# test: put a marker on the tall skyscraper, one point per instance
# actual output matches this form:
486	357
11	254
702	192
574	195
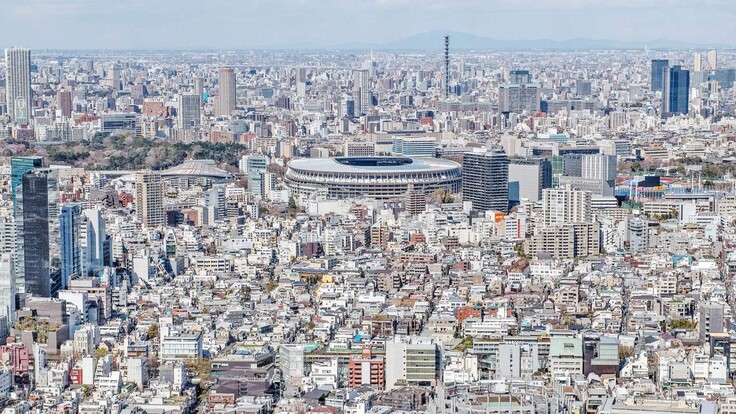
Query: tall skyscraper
676	94
361	91
71	252
199	86
7	288
94	241
566	206
486	179
188	112
227	100
659	66
18	84
698	62
20	166
37	228
64	103
149	198
712	60
114	78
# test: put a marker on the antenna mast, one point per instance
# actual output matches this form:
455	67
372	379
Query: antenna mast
447	66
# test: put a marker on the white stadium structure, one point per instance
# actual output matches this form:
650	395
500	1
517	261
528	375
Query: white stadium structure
374	177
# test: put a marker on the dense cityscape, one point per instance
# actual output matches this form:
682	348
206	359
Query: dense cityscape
368	231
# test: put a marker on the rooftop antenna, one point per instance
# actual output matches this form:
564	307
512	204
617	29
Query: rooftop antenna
447	66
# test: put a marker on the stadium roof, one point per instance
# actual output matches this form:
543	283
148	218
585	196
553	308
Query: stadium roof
373	164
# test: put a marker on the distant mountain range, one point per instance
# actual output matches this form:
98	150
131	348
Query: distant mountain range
465	41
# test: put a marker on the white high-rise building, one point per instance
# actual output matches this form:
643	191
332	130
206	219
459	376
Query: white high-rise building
149	198
565	206
18	84
600	167
7	290
697	62
188	111
712	60
92	241
362	91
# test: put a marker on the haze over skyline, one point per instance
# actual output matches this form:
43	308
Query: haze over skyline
222	24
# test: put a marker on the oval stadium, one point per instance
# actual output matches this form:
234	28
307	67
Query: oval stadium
375	177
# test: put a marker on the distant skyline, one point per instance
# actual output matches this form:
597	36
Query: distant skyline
244	24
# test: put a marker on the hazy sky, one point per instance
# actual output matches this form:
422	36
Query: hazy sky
219	24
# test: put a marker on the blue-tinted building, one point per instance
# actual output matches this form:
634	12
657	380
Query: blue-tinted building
659	66
676	94
20	166
71	252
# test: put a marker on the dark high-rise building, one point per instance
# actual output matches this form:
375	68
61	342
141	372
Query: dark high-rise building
676	96
658	68
486	180
37	217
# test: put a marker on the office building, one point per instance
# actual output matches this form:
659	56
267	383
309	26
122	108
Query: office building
520	77
358	149
227	101
659	66
120	123
18	84
149	198
188	112
177	346
712	319
412	361
565	205
7	288
486	179
362	94
94	242
347	107
531	175
199	86
518	98
676	96
423	146
20	166
565	356
599	167
37	221
71	252
254	166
